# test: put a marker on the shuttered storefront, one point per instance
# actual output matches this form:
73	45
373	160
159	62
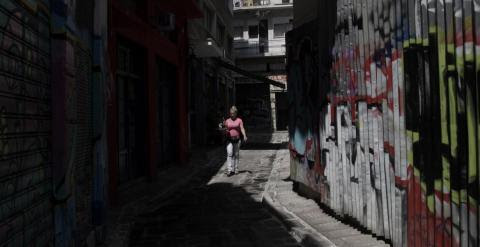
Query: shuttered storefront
25	120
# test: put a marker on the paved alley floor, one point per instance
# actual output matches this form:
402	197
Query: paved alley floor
216	210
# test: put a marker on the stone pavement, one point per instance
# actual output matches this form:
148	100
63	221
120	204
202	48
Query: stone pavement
306	219
279	137
217	210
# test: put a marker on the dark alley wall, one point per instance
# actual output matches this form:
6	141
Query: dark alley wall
51	189
384	117
25	124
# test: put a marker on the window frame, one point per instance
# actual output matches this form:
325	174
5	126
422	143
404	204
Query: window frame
257	31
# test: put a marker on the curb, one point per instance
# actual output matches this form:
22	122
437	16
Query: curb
301	230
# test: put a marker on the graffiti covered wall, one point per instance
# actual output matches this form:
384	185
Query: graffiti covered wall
25	123
390	136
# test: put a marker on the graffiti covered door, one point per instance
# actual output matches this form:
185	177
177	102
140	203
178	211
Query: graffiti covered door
131	113
25	125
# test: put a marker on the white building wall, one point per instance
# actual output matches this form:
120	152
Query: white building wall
276	46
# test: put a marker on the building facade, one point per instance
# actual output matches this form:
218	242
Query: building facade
93	95
211	87
259	47
147	107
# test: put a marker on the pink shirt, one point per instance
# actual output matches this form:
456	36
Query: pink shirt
233	127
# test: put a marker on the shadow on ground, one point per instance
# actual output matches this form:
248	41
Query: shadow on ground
217	214
306	192
263	146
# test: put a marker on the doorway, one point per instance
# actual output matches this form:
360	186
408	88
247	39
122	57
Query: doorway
281	110
131	101
167	114
263	36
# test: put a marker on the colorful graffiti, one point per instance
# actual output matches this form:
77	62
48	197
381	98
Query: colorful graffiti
302	97
396	143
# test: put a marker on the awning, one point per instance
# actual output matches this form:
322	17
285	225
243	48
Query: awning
250	74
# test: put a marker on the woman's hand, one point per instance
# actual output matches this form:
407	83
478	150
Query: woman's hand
242	129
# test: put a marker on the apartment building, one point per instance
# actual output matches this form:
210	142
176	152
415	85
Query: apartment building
259	30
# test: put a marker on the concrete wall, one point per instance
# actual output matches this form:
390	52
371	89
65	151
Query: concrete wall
389	132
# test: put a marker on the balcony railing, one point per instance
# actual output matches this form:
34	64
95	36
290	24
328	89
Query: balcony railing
238	4
245	49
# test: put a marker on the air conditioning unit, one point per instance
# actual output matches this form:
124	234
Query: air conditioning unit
165	22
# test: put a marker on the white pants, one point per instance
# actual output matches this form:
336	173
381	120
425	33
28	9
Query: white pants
233	155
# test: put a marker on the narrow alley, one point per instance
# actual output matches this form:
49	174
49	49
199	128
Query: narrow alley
354	123
254	208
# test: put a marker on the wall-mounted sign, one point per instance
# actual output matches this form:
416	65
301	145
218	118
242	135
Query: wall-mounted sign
279	78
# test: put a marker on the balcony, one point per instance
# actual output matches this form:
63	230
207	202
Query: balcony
259	4
252	49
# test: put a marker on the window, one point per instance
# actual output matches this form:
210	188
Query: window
238	32
279	30
253	32
229	46
220	33
208	18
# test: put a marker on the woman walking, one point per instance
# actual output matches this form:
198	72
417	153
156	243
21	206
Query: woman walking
234	128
